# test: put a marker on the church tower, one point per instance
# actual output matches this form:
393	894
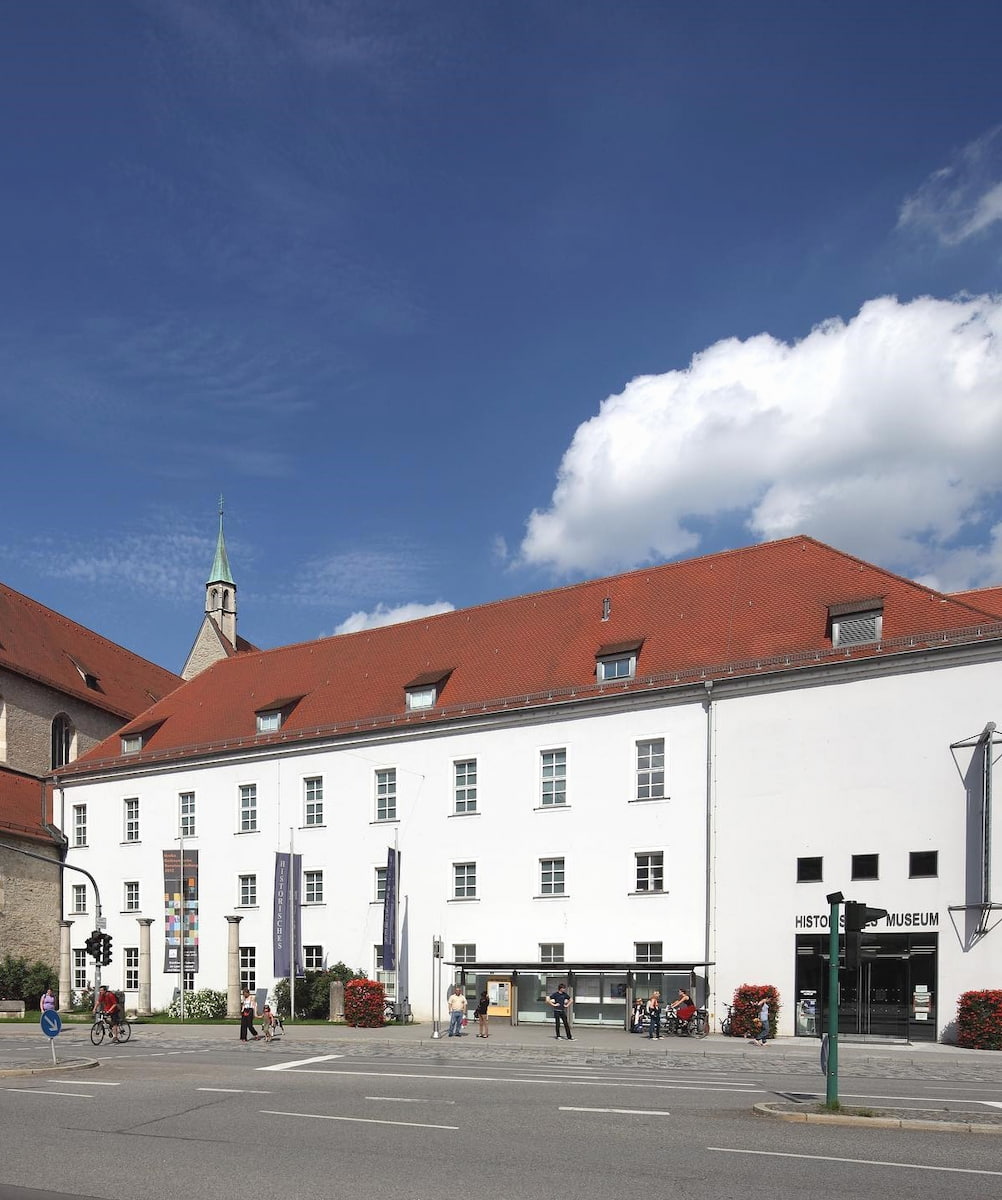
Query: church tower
217	637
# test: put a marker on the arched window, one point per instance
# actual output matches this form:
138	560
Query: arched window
62	740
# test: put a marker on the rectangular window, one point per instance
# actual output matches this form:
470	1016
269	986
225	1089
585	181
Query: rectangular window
186	814
248	807
380	884
421	697
248	968
554	783
188	982
79	898
651	769
551	952
864	866
313	812
464	880
648	952
808	870
132	743
79	824
923	864
132	819
313	958
386	794
247	891
464	952
132	896
313	887
651	872
618	666
269	722
131	964
551	876
466	785
79	970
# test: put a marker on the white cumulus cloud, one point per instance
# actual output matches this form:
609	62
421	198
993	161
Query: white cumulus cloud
880	435
381	615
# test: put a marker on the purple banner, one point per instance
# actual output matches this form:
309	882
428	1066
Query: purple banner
390	911
287	940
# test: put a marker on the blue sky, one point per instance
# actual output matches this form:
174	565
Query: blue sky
462	299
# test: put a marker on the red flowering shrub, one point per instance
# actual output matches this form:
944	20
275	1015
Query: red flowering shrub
747	1003
979	1020
363	1003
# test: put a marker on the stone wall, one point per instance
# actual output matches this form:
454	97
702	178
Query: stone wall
29	904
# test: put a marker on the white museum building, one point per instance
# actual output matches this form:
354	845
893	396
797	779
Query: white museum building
630	783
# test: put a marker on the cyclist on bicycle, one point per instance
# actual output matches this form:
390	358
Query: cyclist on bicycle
106	1003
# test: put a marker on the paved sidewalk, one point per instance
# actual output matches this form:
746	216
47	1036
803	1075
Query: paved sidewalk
25	1047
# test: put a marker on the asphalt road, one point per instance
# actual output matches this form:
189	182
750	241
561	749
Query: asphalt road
164	1116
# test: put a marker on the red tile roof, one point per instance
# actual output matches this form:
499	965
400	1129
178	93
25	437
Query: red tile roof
988	599
22	808
45	646
760	608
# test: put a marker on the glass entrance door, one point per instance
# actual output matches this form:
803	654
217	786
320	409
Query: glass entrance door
874	997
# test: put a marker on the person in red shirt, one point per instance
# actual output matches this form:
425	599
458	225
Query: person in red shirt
106	1002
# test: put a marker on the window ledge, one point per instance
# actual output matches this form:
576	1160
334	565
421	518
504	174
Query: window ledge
553	896
134	842
314	825
551	807
244	832
247	907
648	799
463	900
650	892
474	813
385	821
314	904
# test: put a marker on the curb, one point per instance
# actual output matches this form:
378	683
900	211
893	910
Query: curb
769	1110
72	1064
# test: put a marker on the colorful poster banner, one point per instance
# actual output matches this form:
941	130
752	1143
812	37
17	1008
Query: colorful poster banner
287	940
390	910
180	910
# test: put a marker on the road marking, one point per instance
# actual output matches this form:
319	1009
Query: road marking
626	1112
266	1112
46	1092
236	1091
300	1062
407	1100
862	1162
993	1103
91	1083
662	1087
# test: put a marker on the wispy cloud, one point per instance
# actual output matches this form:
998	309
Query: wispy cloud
358	577
879	435
382	615
963	199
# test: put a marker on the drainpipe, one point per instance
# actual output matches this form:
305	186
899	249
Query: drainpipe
710	892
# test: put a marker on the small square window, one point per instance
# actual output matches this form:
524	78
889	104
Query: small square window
551	952
551	876
464	952
651	871
622	666
648	952
864	866
269	722
132	743
464	881
809	870
421	697
923	864
313	958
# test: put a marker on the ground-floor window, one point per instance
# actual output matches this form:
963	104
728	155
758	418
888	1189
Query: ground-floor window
248	968
132	968
79	970
891	993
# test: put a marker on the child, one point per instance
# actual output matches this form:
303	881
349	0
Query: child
268	1023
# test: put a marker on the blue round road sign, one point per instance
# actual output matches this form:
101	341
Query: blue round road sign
51	1024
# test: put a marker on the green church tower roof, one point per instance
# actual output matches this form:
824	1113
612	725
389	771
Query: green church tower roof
220	572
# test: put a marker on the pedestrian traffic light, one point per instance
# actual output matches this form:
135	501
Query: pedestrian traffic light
105	949
858	916
94	945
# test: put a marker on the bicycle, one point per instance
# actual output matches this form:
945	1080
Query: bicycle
725	1021
102	1029
698	1025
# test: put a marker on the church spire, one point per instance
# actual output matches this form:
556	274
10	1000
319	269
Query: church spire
220	572
221	591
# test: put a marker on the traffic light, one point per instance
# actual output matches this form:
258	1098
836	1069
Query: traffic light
858	916
95	945
105	949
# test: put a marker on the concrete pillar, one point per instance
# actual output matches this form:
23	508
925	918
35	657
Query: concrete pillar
233	967
145	1004
65	969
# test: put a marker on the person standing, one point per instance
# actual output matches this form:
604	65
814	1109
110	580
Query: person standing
106	1003
762	1036
654	1012
457	1012
560	1002
48	1001
480	1012
247	1017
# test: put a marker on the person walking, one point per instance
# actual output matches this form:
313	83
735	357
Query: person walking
457	1012
654	1012
762	1036
480	1012
48	1001
247	1029
560	1002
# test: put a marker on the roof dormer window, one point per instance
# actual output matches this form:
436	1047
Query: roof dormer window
617	661
269	722
423	691
856	622
132	743
272	716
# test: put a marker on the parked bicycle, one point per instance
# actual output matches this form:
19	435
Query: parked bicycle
725	1021
102	1029
698	1025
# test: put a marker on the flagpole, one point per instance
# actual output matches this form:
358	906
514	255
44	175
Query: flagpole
396	930
292	925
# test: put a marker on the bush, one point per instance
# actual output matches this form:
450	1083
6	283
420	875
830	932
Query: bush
206	1005
363	1003
21	980
747	1002
313	992
979	1020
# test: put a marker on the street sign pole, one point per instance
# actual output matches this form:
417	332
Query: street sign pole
51	1025
831	1088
